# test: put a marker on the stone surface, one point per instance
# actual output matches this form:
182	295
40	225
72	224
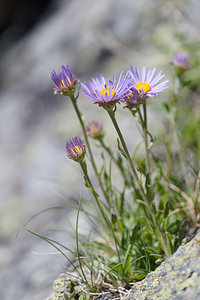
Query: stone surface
65	287
177	278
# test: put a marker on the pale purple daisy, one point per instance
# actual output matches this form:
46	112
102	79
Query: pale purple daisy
65	81
107	94
181	60
148	83
75	149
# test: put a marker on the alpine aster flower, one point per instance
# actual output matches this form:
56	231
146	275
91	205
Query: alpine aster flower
180	60
94	130
106	94
65	81
75	149
148	84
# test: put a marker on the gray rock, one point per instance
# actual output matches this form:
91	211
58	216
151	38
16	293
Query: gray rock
175	279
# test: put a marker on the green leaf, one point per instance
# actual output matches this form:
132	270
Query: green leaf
85	296
166	211
86	183
134	233
166	106
127	263
116	267
150	144
120	225
106	248
138	276
147	182
113	218
52	243
170	240
141	166
120	149
140	182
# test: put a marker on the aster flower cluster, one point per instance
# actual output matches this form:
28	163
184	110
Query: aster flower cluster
131	88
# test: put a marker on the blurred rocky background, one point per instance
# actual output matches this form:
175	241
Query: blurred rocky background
37	36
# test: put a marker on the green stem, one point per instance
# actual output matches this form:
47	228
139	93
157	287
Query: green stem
112	116
79	115
162	237
146	137
96	197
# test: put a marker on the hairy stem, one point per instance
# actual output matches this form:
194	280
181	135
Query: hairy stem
146	137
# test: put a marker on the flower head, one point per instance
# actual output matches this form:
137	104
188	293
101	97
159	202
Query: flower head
75	149
95	130
106	94
180	60
148	84
133	99
65	81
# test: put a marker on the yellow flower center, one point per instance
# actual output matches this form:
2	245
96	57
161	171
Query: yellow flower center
130	96
69	81
106	90
143	87
78	150
63	85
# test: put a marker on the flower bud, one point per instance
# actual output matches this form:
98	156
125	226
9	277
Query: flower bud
75	149
95	130
65	81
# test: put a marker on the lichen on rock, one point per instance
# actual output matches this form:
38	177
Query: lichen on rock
64	287
177	278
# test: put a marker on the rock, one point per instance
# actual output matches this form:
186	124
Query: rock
177	278
65	287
